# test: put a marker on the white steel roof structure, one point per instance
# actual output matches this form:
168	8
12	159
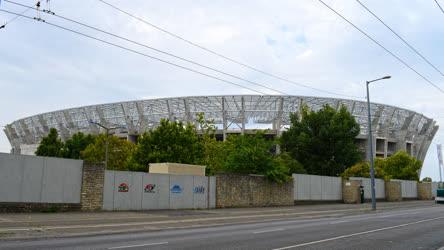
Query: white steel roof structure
230	113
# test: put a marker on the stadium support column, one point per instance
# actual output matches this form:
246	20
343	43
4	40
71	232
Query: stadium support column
278	123
243	115
224	120
170	112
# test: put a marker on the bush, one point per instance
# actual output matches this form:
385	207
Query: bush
362	169
427	179
398	166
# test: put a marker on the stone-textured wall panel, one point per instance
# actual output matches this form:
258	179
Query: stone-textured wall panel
393	191
93	178
350	191
424	191
251	191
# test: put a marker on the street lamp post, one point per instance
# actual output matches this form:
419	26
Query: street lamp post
107	129
370	142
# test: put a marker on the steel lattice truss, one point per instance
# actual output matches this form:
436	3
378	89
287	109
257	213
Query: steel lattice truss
230	113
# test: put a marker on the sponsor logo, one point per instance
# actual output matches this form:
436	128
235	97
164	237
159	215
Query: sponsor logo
199	190
123	187
176	189
149	188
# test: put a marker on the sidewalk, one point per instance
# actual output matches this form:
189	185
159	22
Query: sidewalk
30	225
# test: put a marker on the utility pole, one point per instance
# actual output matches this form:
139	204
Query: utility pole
440	163
370	143
107	129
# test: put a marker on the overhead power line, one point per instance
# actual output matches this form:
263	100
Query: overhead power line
439	6
401	38
223	56
152	48
384	48
135	52
16	17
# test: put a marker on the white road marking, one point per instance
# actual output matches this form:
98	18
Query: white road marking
268	231
356	234
141	245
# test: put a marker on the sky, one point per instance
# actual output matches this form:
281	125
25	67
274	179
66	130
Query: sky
43	68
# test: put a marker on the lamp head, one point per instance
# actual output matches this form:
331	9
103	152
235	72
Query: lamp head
386	77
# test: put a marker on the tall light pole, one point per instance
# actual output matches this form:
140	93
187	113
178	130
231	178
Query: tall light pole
107	129
370	142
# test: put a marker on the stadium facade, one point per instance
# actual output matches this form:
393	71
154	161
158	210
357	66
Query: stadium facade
394	128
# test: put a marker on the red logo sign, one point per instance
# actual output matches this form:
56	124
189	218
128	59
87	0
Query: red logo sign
123	187
149	188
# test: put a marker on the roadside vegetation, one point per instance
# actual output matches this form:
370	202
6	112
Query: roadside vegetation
398	166
318	142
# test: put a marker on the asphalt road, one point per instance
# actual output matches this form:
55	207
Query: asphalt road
413	228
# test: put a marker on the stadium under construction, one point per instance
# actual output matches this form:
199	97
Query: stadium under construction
394	128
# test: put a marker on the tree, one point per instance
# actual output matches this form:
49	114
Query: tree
214	152
427	179
171	141
402	166
322	141
252	154
214	155
285	160
76	144
50	145
120	152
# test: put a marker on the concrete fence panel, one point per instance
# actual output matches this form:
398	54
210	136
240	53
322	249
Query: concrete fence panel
11	178
331	188
200	192
212	192
409	189
33	179
316	183
156	193
108	190
136	190
317	188
122	188
301	187
181	191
